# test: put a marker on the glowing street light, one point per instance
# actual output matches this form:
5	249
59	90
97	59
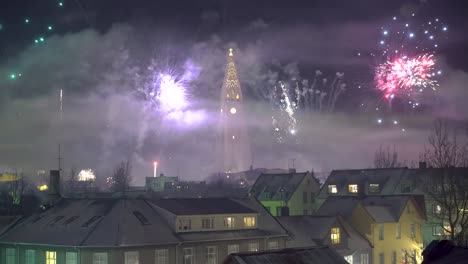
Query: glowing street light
155	164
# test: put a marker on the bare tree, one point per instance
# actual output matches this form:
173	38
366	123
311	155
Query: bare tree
121	178
386	158
447	185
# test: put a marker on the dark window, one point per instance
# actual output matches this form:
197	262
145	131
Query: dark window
91	221
278	211
143	220
374	188
71	219
405	187
304	197
312	197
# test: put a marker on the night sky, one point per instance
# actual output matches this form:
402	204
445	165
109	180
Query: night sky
99	53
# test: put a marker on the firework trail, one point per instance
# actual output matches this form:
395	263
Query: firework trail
284	122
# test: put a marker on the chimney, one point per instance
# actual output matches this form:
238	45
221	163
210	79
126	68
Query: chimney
54	184
422	165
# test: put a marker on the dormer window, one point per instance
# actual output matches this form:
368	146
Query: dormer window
374	188
208	223
332	188
250	221
229	222
185	224
335	235
352	188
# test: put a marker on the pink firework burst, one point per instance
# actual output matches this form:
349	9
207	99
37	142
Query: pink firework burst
404	74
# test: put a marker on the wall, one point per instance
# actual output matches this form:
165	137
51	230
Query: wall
391	244
146	254
272	205
196	222
296	204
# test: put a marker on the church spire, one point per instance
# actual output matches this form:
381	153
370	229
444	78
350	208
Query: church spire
236	150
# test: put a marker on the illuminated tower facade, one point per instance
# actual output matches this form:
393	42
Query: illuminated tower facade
235	144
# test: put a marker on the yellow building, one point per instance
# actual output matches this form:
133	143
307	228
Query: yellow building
392	224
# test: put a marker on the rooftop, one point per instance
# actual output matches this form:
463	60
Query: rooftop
277	186
311	255
201	206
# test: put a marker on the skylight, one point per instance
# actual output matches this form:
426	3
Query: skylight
143	220
91	221
71	219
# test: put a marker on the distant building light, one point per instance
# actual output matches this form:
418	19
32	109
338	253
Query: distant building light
43	187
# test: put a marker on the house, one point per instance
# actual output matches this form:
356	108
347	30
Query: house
311	255
332	231
444	252
393	181
137	230
131	230
287	193
391	224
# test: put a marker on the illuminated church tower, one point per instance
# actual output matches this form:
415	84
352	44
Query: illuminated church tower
234	140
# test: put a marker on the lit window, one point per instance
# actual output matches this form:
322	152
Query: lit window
131	257
364	258
253	246
352	188
185	224
335	235
332	189
30	256
234	248
10	256
208	223
233	110
398	231
211	256
71	258
249	221
374	188
229	222
100	258
237	96
349	258
273	245
51	257
413	256
188	255
436	209
381	231
162	256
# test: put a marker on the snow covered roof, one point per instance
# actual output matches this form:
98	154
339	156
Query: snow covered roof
121	222
93	222
311	230
277	186
202	206
312	255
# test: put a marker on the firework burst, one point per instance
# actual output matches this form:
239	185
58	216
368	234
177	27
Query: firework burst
408	48
406	74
